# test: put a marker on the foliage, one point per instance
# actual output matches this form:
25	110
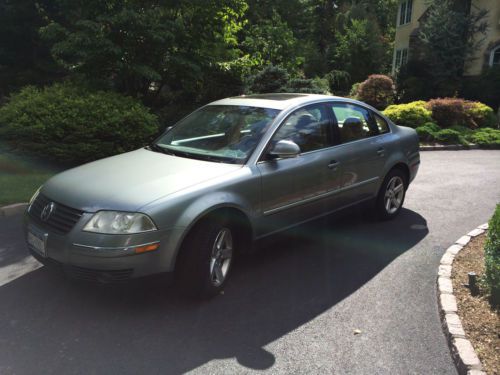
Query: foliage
353	93
377	90
450	35
485	88
129	46
360	39
480	114
412	114
75	125
270	79
492	257
309	86
427	132
486	137
449	136
24	59
271	41
448	112
339	81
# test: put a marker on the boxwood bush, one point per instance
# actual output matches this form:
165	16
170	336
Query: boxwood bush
412	114
450	136
486	137
74	125
492	258
427	132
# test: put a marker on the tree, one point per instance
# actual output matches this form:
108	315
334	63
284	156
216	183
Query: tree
450	35
24	59
145	48
272	42
361	50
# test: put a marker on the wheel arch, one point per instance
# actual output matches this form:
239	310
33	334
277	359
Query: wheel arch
243	226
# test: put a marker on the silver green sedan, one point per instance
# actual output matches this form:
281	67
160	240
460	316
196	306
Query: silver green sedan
234	171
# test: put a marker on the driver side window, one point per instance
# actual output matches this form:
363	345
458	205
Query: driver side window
308	127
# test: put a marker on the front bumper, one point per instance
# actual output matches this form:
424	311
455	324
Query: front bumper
105	257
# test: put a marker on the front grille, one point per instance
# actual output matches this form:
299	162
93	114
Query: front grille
62	219
87	274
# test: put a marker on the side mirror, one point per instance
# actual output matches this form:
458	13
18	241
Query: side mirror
285	149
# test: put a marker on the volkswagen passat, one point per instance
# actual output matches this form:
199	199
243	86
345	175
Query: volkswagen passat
236	170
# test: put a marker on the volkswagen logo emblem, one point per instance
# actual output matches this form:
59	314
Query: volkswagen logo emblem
47	211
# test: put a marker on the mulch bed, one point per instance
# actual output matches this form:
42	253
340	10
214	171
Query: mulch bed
480	322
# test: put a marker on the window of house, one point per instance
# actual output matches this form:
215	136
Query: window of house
405	11
401	58
495	56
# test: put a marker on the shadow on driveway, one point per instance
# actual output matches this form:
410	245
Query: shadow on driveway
48	323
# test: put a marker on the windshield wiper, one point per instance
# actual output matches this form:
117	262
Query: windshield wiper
154	147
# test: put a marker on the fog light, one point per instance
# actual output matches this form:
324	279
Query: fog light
146	248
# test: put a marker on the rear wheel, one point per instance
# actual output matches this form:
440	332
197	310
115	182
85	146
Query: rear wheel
206	258
391	195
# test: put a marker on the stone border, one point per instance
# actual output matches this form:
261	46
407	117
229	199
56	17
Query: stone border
466	359
13	209
449	147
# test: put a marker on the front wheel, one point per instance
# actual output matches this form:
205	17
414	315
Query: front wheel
206	258
391	195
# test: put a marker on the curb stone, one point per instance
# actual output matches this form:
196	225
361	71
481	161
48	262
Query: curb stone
464	356
12	209
449	147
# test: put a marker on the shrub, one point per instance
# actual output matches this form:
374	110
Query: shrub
427	132
492	258
378	91
354	90
449	136
413	114
308	86
74	125
480	114
339	81
270	79
448	112
486	137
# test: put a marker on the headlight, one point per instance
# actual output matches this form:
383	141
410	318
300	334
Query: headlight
114	222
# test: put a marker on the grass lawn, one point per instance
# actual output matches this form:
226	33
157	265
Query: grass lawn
21	176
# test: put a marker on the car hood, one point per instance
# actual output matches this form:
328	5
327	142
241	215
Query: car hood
129	181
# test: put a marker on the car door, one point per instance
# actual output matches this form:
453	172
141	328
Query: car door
297	189
362	152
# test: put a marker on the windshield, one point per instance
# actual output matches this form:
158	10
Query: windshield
224	133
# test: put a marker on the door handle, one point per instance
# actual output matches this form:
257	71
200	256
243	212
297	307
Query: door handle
333	164
381	151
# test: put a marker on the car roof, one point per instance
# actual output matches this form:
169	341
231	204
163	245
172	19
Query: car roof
276	101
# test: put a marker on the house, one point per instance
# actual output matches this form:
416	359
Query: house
409	16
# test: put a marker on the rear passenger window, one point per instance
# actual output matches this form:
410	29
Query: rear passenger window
354	122
382	125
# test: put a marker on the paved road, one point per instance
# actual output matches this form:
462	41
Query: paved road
290	309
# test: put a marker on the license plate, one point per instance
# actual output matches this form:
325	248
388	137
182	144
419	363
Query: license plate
38	242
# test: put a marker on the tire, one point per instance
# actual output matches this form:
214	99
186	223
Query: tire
391	195
206	258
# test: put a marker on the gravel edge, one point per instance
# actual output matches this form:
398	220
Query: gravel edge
464	356
12	209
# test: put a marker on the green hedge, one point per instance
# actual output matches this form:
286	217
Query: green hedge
492	257
74	125
486	137
412	114
446	112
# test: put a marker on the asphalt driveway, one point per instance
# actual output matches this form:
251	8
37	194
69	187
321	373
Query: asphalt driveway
292	308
